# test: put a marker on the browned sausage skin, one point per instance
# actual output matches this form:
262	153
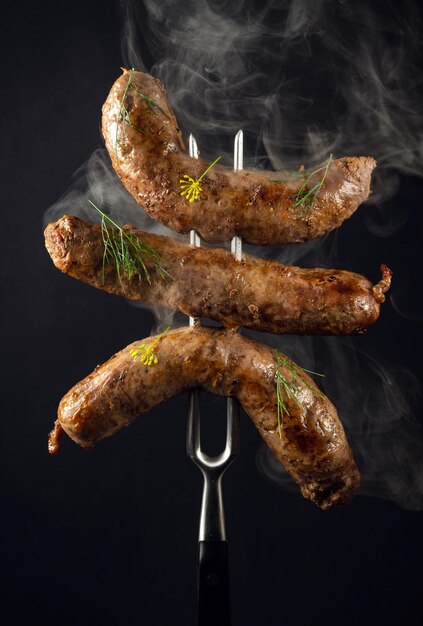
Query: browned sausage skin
147	152
255	293
312	445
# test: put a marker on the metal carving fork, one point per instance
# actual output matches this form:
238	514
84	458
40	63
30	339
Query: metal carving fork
213	572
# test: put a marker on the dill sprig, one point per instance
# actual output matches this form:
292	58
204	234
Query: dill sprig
145	351
305	197
128	252
191	188
124	116
290	386
151	103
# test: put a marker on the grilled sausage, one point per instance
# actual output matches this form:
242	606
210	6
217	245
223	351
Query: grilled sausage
255	293
147	152
311	445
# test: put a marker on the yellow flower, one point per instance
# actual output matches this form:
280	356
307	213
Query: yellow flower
191	188
145	351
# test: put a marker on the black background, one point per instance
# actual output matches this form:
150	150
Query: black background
109	536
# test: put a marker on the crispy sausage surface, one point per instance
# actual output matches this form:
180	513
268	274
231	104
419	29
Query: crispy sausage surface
147	152
255	293
312	445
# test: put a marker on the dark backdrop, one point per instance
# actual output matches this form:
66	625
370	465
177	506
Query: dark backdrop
109	536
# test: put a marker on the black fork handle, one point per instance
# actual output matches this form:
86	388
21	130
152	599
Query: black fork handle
213	584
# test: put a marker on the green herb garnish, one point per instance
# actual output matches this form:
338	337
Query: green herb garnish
128	252
124	116
305	197
145	351
290	385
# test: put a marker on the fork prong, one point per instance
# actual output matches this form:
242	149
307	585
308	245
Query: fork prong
192	147
239	151
193	425
236	243
194	239
232	429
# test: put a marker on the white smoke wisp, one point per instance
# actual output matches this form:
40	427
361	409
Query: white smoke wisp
97	181
272	68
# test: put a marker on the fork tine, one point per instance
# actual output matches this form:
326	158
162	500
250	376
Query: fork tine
233	435
194	239
236	243
193	425
232	429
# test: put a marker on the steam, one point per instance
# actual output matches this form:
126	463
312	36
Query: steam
272	68
378	403
96	180
303	79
